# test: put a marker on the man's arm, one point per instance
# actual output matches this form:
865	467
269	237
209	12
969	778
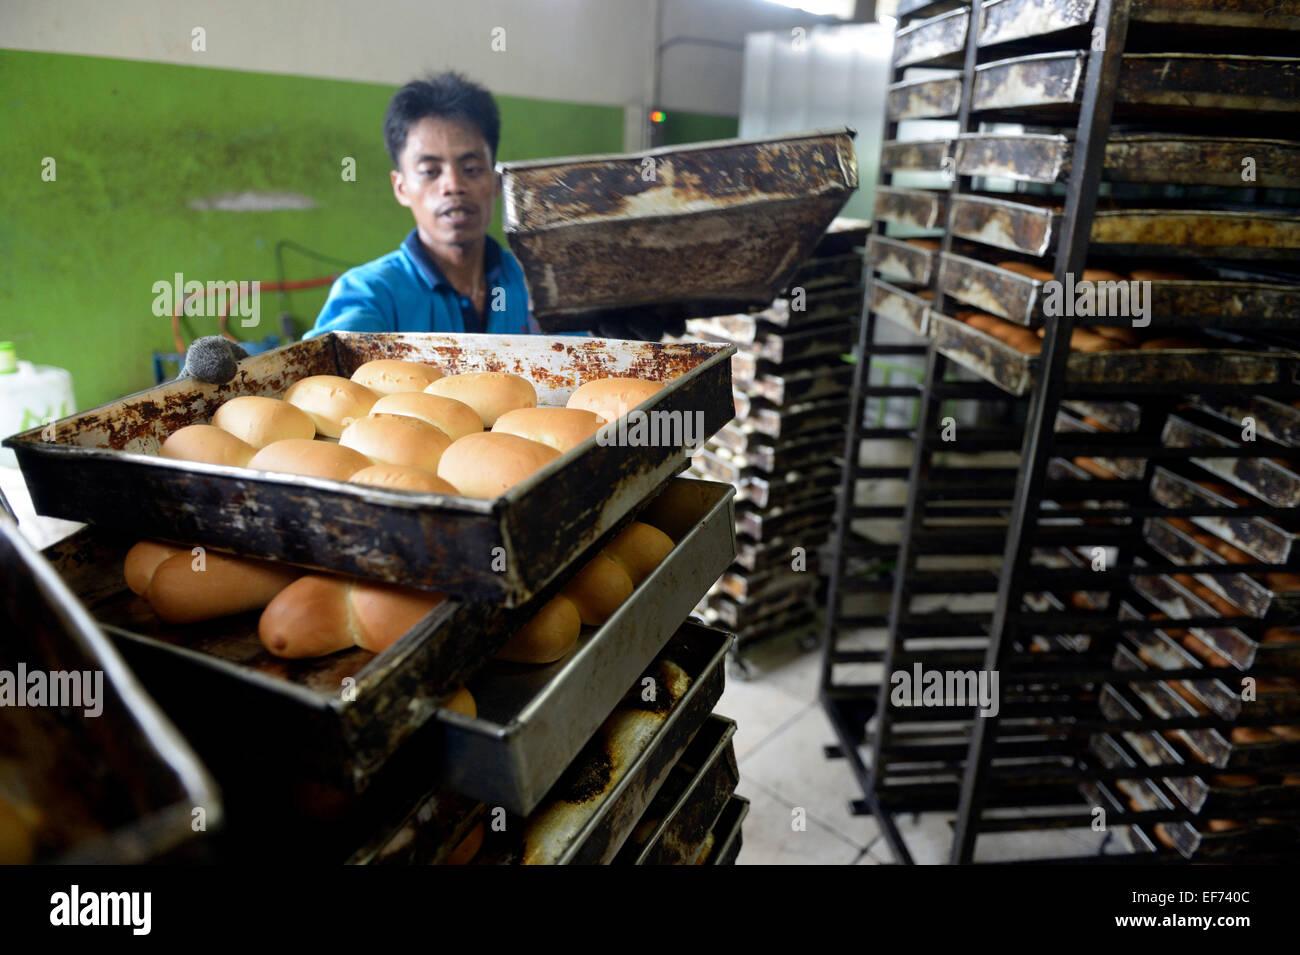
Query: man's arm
359	301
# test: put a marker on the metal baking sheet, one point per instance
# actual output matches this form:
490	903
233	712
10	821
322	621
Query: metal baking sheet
801	386
939	39
689	802
1123	416
787	490
746	586
696	226
1015	371
743	615
1188	84
592	810
823	275
533	720
796	420
1266	478
900	260
934	40
1240	14
1129	469
782	348
104	778
918	208
102	467
805	518
1271	541
843	300
726	843
1273	419
1250	594
929	98
922	155
1001	292
899	305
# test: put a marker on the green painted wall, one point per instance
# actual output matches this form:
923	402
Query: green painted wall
682	127
136	142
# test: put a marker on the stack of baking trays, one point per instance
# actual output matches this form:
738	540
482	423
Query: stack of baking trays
608	754
783	451
1149	147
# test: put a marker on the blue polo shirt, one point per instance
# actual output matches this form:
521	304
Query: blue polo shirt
404	291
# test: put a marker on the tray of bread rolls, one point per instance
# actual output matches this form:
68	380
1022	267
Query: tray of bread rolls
903	260
1272	540
1008	355
91	770
1260	595
1115	415
1128	469
1271	418
521	510
701	228
589	813
911	309
537	705
677	824
1271	479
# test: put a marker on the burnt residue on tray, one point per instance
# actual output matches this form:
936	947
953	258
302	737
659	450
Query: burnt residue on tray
588	776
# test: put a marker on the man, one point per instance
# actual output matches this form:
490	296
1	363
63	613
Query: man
449	275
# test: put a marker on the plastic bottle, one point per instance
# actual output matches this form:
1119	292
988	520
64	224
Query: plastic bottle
30	396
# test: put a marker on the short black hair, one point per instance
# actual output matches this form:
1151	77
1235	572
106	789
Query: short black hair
448	95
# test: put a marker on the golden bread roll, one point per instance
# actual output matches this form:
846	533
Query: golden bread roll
331	402
462	701
311	458
598	590
1096	470
1235	780
319	615
1279	581
260	421
181	592
210	445
1125	336
1024	341
488	464
1158	275
396	439
490	393
468	847
1024	268
453	418
1170	342
985	323
546	638
17	846
1083	339
1291	733
390	376
1102	275
611	398
639	549
932	245
1252	734
1223	825
400	477
558	428
143	559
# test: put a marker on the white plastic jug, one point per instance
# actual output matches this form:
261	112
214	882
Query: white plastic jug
30	396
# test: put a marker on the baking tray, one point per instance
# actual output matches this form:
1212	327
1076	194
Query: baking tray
1133	157
827	273
1122	416
1273	419
822	304
798	618
741	614
725	845
901	306
900	260
795	387
120	786
699	228
683	812
1148	796
914	155
533	720
784	348
1271	541
1129	469
806	518
102	467
795	421
1263	477
1014	371
803	452
1198	85
762	491
939	39
612	781
934	97
918	208
747	586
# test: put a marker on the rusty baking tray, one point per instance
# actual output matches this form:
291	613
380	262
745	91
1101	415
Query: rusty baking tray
786	491
1273	419
1150	84
795	420
939	39
699	228
900	260
683	812
917	208
827	273
724	845
1164	653
102	467
934	97
1015	371
532	720
1252	595
1123	416
106	779
1144	792
842	301
593	808
1133	157
1129	469
746	586
802	518
426	834
780	457
1272	541
901	306
1266	478
741	614
914	155
933	41
784	347
795	387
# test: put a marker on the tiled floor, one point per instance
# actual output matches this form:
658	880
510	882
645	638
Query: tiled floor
799	799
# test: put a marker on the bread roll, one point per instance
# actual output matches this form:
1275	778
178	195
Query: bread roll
453	418
1170	342
1024	268
462	701
1082	339
203	442
179	593
312	458
399	477
390	376
1235	780
1252	734
1125	336
611	398
468	848
1158	275
331	402
546	638
1102	275
142	560
396	439
318	615
558	428
985	323
1283	731
261	421
490	393
598	590
639	549
488	464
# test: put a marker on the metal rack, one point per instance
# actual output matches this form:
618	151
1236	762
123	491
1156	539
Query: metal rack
1080	726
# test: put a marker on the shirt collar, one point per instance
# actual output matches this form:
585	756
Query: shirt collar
432	275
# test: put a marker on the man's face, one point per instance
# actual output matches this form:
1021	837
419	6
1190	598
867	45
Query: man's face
447	181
